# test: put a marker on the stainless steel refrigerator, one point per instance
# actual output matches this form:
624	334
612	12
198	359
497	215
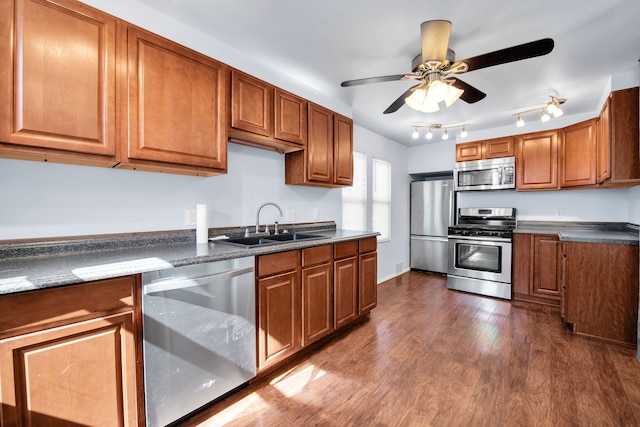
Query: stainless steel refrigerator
432	211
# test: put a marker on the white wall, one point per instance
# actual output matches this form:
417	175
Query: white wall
393	255
48	200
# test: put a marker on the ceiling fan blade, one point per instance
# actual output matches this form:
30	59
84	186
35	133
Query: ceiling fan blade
400	101
510	54
368	80
470	94
435	40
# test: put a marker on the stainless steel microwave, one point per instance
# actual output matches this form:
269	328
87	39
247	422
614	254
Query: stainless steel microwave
491	174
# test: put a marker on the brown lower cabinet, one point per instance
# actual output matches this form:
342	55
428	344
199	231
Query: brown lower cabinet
601	290
536	268
68	356
305	295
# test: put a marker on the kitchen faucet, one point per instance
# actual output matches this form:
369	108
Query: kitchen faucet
258	216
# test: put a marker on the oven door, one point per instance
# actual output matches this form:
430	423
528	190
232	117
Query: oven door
480	258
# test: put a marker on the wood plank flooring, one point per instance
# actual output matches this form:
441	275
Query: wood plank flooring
429	356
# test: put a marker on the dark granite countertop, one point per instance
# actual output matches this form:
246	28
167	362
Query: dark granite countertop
26	266
588	232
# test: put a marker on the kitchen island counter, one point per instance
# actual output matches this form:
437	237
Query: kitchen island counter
27	266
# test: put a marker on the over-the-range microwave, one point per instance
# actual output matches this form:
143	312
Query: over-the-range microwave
491	174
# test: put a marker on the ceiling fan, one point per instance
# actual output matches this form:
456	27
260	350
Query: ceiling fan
436	66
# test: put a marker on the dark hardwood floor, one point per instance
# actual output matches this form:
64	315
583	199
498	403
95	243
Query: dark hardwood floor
429	356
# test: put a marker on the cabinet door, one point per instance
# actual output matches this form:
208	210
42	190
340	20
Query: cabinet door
546	281
317	303
469	151
537	161
625	149
368	272
291	117
498	147
345	289
601	286
58	85
603	142
251	104
343	151
578	154
278	317
522	263
78	374
320	144
176	103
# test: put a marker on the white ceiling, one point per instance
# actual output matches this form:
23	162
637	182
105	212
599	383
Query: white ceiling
326	42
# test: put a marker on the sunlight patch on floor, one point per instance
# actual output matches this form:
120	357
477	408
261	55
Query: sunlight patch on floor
290	384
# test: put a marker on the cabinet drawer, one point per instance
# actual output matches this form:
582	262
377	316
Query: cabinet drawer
368	245
34	310
317	255
278	263
345	249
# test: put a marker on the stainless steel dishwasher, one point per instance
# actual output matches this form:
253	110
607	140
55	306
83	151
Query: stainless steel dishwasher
199	336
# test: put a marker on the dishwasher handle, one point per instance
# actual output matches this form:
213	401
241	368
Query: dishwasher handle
172	284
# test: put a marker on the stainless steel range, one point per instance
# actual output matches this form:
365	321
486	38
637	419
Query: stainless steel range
480	251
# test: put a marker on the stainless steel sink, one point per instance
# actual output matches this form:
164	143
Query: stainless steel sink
273	239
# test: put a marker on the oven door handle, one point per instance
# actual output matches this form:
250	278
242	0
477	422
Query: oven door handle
479	239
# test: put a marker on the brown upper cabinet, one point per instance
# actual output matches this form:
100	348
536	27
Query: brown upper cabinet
537	161
328	159
488	149
618	144
57	103
263	115
578	154
175	108
167	103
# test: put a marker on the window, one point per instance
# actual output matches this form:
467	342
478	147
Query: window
381	199
354	198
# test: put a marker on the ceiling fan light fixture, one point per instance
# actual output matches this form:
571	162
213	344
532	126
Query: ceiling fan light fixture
551	107
452	95
558	112
438	91
419	101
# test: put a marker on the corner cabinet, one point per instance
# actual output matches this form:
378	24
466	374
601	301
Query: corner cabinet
606	309
618	146
58	82
328	159
175	108
68	356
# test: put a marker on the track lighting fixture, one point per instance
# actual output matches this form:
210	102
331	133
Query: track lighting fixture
436	126
551	108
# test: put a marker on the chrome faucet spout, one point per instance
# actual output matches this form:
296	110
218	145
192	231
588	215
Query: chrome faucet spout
258	213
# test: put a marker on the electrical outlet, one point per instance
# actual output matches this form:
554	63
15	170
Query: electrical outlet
559	212
290	215
189	217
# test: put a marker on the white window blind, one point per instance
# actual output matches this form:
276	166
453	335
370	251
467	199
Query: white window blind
354	198
381	199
